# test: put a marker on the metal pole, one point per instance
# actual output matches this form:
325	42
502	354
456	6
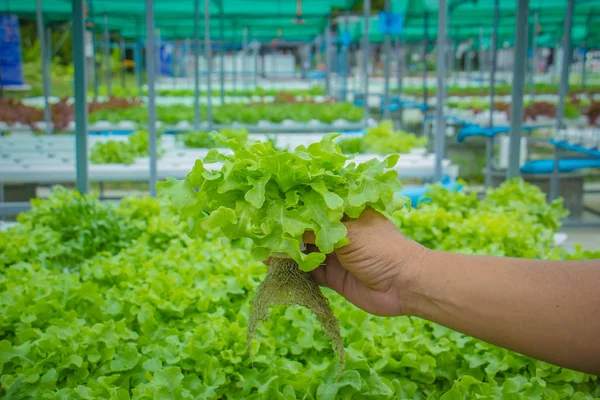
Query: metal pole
208	53
533	57
196	65
45	78
425	44
518	85
122	49
150	70
366	52
387	44
49	57
222	54
107	56
440	134
346	60
583	71
234	58
490	142
399	64
244	54
328	59
562	93
95	67
137	56
256	51
80	77
480	61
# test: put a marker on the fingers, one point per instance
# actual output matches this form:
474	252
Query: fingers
331	275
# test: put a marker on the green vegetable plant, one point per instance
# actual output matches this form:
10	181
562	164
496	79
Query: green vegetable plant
115	301
382	139
122	152
204	140
271	197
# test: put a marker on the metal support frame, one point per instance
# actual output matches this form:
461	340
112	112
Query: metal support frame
234	60
489	160
425	44
346	60
387	44
366	54
480	61
122	50
244	56
562	93
44	60
49	56
440	70
81	156
222	54
583	69
151	72
137	58
107	57
95	68
518	86
208	54
400	60
533	57
328	58
196	65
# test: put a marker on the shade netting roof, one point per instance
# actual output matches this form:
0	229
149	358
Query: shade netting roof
267	20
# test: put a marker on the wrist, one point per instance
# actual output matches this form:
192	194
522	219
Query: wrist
411	283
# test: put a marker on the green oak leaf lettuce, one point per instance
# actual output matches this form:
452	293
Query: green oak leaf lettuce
272	196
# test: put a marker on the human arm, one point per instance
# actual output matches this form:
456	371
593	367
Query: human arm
549	310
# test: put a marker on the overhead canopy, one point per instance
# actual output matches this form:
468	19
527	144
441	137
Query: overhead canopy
467	17
268	20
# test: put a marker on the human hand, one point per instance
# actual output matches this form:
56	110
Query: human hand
372	270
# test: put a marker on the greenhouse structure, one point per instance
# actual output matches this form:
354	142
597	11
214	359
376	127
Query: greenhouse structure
300	199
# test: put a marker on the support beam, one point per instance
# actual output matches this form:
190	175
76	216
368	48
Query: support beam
81	156
234	59
244	56
366	55
518	86
328	59
480	56
222	54
533	57
196	65
563	90
387	44
346	59
151	72
208	54
95	68
490	141
49	56
425	44
137	57
440	70
122	59
44	60
107	57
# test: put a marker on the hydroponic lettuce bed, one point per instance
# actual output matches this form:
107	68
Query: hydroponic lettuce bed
129	114
115	302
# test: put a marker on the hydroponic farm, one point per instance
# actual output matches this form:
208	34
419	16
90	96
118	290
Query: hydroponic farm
300	199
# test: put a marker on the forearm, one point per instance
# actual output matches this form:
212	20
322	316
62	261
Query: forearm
549	310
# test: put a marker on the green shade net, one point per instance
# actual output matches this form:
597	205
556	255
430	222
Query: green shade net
268	20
